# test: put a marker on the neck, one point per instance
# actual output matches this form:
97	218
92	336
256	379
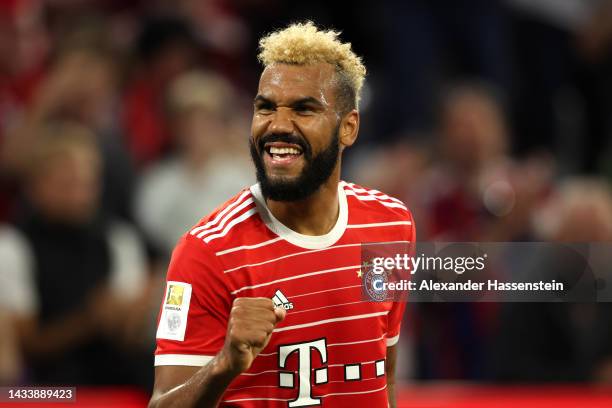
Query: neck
315	215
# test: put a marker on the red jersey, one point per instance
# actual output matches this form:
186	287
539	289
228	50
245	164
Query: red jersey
330	350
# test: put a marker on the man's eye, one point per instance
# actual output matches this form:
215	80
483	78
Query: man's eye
263	108
303	109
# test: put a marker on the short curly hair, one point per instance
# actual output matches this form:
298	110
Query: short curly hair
304	43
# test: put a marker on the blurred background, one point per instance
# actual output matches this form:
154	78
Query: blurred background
122	123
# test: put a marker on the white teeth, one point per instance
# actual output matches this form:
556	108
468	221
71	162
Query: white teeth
284	150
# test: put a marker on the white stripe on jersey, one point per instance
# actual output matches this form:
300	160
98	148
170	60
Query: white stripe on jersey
352	393
326	290
325	307
261	372
182	360
379	224
336	319
221	214
392	341
331	345
254	246
310	251
343	364
225	219
235	221
267	354
356	342
295	277
342	381
276	386
257	399
375	193
375	198
318	396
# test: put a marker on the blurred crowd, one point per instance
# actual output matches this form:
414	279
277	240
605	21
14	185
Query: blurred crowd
124	122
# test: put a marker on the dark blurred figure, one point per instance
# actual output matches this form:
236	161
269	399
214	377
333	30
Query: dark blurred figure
561	342
71	278
81	85
428	42
166	48
562	96
24	49
474	191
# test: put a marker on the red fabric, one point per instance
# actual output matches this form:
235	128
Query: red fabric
145	127
472	396
322	284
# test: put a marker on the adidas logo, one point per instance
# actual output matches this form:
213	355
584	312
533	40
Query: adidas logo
281	301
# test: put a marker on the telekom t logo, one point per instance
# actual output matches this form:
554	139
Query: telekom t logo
286	378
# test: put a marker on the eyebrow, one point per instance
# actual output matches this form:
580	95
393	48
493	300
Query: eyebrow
309	100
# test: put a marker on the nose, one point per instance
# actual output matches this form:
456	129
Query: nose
281	121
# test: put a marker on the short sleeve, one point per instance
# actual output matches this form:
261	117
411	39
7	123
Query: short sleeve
394	319
17	289
195	307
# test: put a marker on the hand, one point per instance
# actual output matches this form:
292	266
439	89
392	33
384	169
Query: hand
249	330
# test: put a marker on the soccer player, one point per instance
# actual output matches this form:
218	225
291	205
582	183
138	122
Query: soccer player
263	305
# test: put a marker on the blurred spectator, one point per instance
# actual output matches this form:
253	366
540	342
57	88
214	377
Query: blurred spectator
473	191
427	42
81	86
24	48
561	341
563	79
166	48
211	163
473	142
70	277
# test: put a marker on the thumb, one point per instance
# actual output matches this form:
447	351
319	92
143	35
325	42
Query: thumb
280	313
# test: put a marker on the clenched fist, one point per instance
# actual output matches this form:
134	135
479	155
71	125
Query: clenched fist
249	330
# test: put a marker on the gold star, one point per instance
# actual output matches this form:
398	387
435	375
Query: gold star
359	273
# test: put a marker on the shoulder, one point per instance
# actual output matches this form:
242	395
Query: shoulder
369	205
194	260
227	223
374	200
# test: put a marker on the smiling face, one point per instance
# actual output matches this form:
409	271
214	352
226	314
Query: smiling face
297	132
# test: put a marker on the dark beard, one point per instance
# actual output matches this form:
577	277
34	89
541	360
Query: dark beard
316	172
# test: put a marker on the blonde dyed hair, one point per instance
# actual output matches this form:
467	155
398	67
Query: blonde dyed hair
305	44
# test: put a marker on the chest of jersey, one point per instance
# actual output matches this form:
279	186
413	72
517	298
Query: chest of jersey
332	340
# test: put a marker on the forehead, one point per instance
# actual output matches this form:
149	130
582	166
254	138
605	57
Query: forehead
287	81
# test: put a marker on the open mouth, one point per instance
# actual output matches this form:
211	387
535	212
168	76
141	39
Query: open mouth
281	152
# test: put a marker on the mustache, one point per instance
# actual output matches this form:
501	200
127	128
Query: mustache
285	138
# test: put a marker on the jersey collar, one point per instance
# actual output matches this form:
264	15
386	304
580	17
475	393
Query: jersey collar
295	238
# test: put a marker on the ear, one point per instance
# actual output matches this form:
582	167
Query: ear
349	127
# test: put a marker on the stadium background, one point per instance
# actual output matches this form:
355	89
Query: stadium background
491	119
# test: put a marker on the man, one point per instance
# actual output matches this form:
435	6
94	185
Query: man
271	312
202	173
71	277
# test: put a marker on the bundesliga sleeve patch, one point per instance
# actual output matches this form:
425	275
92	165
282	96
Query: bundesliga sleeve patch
173	320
